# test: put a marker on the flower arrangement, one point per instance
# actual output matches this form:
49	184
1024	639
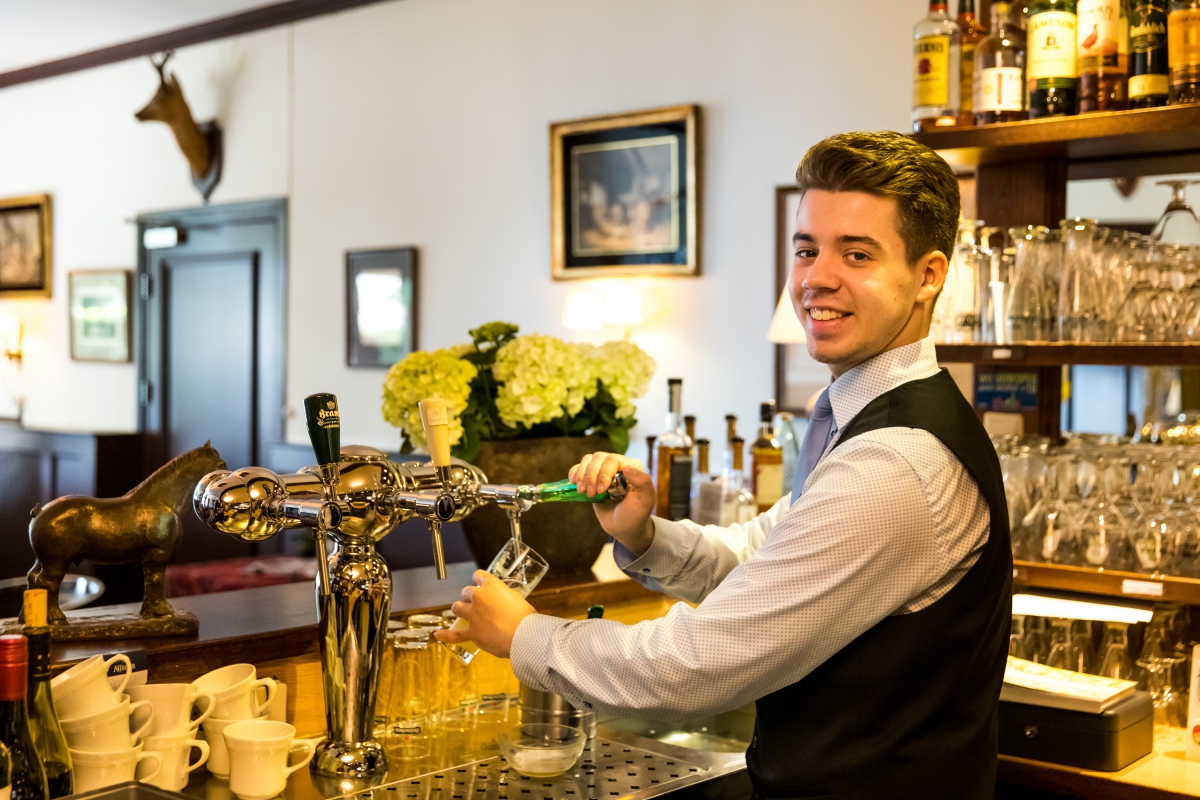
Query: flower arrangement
506	386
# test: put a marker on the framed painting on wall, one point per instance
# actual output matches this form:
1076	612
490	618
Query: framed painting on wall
26	246
625	194
381	306
99	303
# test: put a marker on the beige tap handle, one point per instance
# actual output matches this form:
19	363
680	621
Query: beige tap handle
437	432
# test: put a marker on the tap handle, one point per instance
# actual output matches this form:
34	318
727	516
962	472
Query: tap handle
324	427
437	431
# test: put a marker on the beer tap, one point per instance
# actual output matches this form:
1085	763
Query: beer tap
437	436
325	433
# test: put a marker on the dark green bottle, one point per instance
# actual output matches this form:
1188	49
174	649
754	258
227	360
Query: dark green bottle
1050	66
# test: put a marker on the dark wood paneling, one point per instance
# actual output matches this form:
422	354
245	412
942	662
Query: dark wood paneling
1022	192
233	25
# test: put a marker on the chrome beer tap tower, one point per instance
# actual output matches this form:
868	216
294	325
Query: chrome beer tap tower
352	498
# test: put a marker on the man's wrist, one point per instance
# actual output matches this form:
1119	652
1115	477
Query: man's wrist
644	540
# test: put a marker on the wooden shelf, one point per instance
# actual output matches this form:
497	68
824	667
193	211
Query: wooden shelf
1132	585
1051	354
1103	135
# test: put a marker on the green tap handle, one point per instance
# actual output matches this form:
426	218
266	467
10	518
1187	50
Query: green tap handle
324	427
596	612
567	492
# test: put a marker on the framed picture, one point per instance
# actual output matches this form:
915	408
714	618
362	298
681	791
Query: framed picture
26	245
625	194
100	329
381	306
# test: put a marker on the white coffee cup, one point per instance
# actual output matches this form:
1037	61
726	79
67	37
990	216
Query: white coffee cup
108	730
218	757
98	770
235	692
175	752
258	757
84	688
173	703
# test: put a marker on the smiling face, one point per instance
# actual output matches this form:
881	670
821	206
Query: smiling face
851	284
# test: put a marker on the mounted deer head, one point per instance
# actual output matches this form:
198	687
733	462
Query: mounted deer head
168	106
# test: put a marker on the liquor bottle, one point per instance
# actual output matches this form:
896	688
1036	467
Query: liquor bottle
1183	51
1103	55
971	33
936	70
650	454
689	425
766	460
1000	70
1149	84
673	460
28	774
737	502
1050	48
43	720
730	428
706	489
5	773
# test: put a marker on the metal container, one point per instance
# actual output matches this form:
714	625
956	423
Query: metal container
539	706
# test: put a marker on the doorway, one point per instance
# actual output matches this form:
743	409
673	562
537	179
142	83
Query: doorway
210	342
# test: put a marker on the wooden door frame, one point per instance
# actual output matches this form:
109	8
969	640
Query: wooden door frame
272	322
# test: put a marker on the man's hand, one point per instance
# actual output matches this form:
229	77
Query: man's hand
492	611
629	520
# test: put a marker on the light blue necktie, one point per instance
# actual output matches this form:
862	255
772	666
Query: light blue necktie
816	439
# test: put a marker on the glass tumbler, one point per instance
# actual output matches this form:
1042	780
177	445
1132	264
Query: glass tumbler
410	712
459	690
1065	650
1113	658
1081	294
1028	310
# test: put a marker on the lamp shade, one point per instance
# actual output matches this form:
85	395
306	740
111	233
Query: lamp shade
785	326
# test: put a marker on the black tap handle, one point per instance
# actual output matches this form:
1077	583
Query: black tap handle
324	427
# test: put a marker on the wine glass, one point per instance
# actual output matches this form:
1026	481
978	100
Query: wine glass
1157	533
1016	637
1104	529
1065	650
1178	224
1113	657
1050	528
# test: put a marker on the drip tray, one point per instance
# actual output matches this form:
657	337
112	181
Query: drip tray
607	769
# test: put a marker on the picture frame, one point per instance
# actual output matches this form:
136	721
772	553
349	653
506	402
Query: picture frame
381	306
99	303
26	247
625	194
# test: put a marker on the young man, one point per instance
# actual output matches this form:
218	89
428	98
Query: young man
867	613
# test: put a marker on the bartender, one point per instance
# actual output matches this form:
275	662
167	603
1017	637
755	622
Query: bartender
868	612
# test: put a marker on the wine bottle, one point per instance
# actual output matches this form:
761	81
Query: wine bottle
5	774
673	460
28	774
766	460
47	734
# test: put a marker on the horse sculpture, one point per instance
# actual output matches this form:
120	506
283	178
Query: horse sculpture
143	524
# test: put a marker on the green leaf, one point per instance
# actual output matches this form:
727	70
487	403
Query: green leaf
619	438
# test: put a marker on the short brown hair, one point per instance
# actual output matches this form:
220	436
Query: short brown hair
889	164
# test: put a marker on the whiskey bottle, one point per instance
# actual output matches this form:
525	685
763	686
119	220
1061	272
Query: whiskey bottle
1000	70
1183	51
673	460
730	428
971	33
1149	84
47	734
737	502
1050	49
936	70
650	440
689	425
28	774
1103	55
766	460
706	491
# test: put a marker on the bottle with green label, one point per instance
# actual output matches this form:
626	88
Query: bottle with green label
1051	71
1103	55
1148	66
937	42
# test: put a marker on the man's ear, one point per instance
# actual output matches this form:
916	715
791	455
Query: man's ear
933	266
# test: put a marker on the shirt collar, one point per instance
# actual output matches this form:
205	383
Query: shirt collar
850	393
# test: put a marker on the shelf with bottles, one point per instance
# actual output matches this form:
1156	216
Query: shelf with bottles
1111	583
1051	354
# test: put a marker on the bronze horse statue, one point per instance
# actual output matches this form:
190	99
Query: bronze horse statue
143	524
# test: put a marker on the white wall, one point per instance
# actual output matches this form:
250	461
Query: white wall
424	122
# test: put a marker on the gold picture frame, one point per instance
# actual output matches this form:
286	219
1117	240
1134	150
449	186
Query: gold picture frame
649	162
26	247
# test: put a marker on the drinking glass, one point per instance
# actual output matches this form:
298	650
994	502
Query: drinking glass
409	710
1113	660
1037	639
1016	638
1169	709
1157	533
961	290
1178	224
1049	525
1081	294
1028	312
1065	650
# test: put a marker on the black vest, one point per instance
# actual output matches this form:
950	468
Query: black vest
908	709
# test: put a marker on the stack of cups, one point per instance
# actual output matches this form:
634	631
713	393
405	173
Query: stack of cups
236	698
172	732
98	721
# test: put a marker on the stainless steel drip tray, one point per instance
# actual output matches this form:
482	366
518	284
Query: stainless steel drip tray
130	790
612	766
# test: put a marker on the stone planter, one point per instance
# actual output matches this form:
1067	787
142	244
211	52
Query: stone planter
567	535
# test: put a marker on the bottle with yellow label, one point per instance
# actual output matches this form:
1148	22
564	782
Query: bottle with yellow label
1183	51
937	73
1051	71
766	461
1149	81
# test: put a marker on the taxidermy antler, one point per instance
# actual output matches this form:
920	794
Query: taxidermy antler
168	106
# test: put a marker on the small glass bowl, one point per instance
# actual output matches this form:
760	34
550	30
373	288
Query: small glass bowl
542	750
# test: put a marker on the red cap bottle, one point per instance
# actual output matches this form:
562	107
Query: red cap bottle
14	666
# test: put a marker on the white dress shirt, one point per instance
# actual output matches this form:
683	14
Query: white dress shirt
887	524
